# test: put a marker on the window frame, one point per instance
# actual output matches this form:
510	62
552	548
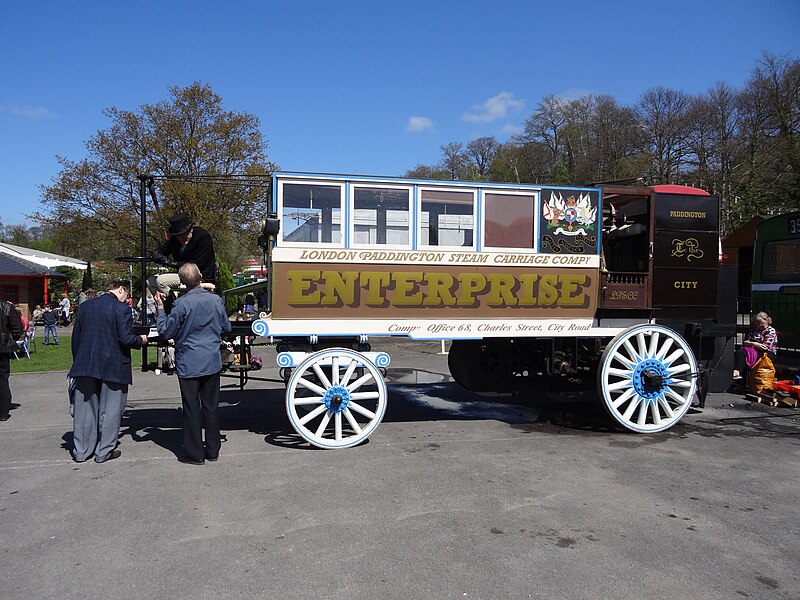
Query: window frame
351	207
473	191
318	183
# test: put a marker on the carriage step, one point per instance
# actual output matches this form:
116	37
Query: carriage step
292	359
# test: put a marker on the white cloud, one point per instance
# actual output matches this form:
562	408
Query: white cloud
495	108
31	112
510	129
418	124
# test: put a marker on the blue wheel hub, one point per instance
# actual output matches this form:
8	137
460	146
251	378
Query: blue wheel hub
336	398
650	378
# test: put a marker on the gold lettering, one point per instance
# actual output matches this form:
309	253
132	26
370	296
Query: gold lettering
375	283
526	289
439	286
301	281
406	289
548	290
469	285
339	287
570	293
501	290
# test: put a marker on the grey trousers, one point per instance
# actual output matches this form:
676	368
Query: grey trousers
164	283
97	414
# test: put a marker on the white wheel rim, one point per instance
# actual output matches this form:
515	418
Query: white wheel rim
335	398
647	378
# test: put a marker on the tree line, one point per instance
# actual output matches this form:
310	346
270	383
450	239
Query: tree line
742	145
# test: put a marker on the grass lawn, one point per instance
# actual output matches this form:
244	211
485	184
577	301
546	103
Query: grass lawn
57	358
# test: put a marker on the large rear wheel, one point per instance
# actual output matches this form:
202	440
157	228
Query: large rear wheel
647	378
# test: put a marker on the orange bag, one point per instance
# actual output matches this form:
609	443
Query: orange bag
762	375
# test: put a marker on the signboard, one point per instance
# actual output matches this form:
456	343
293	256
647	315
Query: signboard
569	221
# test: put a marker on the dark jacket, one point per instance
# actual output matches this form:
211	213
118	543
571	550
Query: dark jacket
101	340
199	250
10	326
49	317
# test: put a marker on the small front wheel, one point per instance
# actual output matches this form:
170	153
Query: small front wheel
335	398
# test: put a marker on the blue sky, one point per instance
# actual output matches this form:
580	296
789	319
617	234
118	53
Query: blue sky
353	87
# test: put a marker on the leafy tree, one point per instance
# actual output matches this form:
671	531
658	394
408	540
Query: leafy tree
87	282
226	282
480	154
210	162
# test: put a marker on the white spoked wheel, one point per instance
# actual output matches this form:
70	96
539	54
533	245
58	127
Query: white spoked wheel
335	398
647	378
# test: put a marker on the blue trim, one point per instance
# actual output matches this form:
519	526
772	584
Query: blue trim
477	231
415	217
347	216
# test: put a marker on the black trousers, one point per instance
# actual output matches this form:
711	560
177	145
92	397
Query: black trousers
200	398
5	388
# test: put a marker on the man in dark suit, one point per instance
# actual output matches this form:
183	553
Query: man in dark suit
102	339
187	243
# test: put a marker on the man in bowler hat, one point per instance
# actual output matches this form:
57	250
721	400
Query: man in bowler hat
102	339
187	243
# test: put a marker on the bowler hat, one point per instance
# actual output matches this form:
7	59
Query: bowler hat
179	224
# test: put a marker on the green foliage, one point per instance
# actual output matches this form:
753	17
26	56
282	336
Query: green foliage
210	162
226	282
87	282
59	286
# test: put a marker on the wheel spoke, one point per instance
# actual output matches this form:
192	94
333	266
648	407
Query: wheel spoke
673	357
335	370
323	424
309	400
626	383
623	398
651	351
322	377
632	407
311	386
337	427
662	352
348	373
680	369
353	423
631	352
641	344
675	396
655	413
359	382
628	373
680	383
644	406
365	395
667	408
313	414
360	409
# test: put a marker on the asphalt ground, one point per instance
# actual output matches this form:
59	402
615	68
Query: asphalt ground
454	496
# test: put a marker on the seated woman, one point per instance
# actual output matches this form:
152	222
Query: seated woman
761	338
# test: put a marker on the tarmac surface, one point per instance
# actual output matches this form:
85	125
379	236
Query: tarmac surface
455	495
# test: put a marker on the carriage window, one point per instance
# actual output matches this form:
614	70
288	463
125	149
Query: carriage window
381	216
312	213
781	261
447	218
509	220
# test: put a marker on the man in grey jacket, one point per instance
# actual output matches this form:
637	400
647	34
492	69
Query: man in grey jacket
196	323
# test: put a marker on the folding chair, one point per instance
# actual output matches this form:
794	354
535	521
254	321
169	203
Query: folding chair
31	335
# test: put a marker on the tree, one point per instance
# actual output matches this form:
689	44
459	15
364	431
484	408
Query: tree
663	116
87	278
480	154
211	163
454	160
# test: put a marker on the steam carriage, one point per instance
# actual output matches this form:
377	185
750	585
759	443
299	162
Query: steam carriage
534	285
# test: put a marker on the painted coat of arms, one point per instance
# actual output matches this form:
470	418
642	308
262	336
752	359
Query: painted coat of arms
569	221
570	216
